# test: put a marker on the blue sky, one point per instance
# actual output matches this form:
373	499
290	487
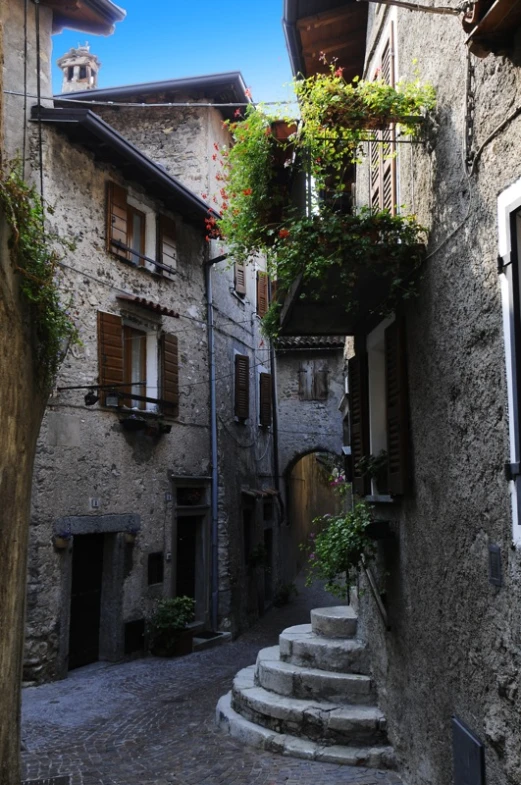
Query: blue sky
168	39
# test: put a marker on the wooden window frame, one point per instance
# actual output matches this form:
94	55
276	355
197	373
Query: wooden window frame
239	279
242	387
263	299
133	212
265	400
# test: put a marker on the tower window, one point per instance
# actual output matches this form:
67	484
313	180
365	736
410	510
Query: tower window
83	71
70	73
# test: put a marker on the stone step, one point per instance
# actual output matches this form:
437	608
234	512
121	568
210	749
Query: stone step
378	757
321	721
301	646
284	678
340	621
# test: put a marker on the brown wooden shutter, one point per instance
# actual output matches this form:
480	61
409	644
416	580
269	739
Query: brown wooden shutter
240	278
170	374
262	293
242	386
305	381
320	381
383	162
359	419
117	218
167	244
265	399
397	407
110	352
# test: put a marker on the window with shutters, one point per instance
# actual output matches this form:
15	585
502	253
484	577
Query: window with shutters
265	399
239	279
313	380
382	154
262	293
139	235
138	368
242	387
379	410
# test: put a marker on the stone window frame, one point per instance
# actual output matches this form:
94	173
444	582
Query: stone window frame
509	246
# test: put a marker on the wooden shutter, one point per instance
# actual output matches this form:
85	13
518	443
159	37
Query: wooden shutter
397	407
170	374
242	386
320	381
359	419
110	352
240	278
167	249
262	293
117	218
381	155
265	399
305	381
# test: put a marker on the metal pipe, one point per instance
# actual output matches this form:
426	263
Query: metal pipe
374	591
214	458
427	9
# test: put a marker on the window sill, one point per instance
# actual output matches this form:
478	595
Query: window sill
240	297
380	498
157	274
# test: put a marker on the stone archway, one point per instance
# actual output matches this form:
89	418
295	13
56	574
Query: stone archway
308	495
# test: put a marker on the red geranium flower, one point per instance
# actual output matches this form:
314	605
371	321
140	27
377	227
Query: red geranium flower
247	192
283	233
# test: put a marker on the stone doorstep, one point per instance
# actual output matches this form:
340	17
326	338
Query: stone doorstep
61	780
319	720
200	644
336	622
300	646
378	757
287	679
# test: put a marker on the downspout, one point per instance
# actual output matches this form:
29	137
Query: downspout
214	505
275	413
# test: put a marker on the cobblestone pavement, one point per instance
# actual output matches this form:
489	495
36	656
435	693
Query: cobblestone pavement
151	721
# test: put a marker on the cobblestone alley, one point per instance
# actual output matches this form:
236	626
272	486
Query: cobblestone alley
151	721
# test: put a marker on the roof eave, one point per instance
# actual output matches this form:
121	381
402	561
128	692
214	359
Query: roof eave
186	202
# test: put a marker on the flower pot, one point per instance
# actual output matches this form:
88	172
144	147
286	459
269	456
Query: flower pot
177	645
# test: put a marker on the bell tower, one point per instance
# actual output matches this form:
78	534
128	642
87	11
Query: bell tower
80	70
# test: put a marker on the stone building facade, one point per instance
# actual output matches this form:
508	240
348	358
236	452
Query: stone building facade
447	668
129	486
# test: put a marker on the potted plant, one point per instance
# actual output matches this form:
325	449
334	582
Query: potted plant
376	467
336	547
167	627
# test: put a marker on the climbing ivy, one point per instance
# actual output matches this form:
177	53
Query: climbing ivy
35	252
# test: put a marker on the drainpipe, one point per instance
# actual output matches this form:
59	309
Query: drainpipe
213	438
275	413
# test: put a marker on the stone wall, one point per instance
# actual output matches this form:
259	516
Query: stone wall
453	647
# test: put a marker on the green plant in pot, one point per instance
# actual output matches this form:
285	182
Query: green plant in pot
166	627
376	467
337	547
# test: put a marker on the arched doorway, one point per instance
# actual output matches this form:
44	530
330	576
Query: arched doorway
309	494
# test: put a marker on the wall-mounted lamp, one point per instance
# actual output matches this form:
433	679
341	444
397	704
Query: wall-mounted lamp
91	398
112	399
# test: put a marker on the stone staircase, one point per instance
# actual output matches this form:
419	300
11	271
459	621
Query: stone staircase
311	696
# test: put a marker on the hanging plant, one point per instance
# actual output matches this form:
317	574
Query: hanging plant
35	255
345	254
337	116
256	181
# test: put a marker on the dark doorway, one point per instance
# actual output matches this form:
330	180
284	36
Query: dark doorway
87	573
186	555
268	567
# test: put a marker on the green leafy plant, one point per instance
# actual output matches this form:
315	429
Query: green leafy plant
35	253
376	467
338	252
336	546
337	116
169	617
283	594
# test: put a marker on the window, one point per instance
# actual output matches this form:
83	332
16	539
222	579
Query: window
139	365
242	386
262	293
83	71
240	279
379	406
381	156
313	380
155	568
70	73
136	234
265	406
